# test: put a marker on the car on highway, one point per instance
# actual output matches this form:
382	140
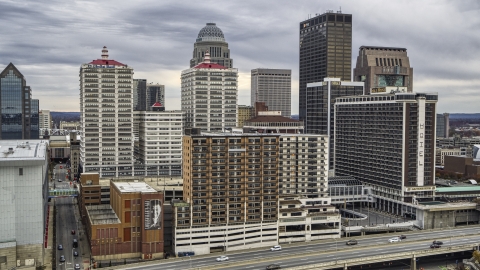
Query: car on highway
60	247
435	246
352	242
61	167
75	254
77	266
275	248
394	240
403	237
73	231
437	242
62	258
222	258
272	267
59	180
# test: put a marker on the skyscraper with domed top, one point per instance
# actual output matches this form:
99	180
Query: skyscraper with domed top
211	38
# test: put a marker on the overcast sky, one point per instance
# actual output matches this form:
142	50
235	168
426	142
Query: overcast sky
49	40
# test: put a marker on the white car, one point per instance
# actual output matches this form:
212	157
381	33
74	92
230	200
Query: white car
222	258
395	239
275	248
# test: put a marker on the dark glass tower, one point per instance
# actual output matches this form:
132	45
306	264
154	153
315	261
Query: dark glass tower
16	106
325	51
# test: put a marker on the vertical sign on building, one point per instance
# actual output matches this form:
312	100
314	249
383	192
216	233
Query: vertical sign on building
152	214
421	142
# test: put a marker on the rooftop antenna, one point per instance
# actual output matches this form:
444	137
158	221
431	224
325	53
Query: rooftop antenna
340	11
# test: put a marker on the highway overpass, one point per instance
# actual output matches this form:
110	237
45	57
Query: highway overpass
330	254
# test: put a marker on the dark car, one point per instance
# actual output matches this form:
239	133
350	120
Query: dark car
435	246
437	242
273	266
351	242
75	254
60	247
73	231
403	236
62	258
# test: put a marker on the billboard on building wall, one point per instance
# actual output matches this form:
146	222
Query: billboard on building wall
153	214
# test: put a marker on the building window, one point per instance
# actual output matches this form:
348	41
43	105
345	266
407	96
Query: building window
20	171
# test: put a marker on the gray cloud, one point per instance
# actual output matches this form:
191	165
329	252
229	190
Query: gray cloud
48	41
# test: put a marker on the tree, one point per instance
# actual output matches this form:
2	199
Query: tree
476	255
110	264
124	261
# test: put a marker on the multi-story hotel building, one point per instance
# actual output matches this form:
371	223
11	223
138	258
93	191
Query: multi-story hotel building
325	51
383	67
230	189
320	99
387	141
106	113
210	96
231	192
160	141
274	87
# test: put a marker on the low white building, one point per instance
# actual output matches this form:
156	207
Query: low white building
23	200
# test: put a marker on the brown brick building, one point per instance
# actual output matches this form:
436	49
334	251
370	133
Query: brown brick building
130	226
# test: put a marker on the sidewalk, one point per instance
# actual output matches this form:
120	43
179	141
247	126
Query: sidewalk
82	238
49	249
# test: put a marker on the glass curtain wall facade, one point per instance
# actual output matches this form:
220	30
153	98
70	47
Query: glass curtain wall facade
34	119
16	106
325	51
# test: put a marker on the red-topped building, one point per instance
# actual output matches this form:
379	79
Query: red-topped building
106	113
210	96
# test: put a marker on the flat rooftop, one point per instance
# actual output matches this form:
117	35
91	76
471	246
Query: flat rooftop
134	187
14	150
102	214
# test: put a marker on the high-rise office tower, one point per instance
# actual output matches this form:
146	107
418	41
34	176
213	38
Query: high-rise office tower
387	141
320	106
155	93
106	116
443	125
211	39
139	94
210	96
274	87
383	67
19	112
325	51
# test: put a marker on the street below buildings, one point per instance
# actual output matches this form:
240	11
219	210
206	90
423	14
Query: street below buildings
324	251
65	223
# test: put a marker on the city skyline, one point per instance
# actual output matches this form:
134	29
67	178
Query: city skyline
156	40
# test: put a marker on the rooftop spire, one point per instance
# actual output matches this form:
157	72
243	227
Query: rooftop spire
207	57
105	53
